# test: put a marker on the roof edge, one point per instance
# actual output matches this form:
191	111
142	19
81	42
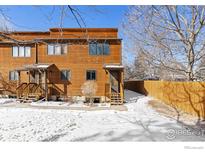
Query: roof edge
84	29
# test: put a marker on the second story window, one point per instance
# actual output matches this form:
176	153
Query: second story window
21	51
13	75
57	49
99	49
65	75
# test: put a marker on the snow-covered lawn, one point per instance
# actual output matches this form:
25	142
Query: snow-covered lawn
6	100
139	123
49	103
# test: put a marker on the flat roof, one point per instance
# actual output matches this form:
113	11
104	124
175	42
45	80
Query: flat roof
39	66
84	29
66	30
113	66
78	39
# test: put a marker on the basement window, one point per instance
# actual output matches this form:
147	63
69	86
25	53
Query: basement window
21	51
99	49
91	75
13	75
57	49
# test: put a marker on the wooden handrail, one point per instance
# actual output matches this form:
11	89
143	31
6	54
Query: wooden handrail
26	89
21	85
29	88
32	87
39	87
20	89
57	88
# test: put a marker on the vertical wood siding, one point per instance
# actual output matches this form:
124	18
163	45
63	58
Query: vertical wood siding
186	96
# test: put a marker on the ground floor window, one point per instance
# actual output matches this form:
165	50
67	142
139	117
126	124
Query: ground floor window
91	75
65	74
13	75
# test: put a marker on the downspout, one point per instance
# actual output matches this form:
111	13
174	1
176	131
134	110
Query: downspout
36	58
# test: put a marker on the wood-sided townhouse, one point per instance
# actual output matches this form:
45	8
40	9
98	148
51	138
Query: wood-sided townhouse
54	64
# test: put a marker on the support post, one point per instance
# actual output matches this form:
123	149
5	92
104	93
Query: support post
46	85
18	83
121	86
29	77
110	84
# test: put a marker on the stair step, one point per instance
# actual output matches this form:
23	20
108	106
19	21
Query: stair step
116	103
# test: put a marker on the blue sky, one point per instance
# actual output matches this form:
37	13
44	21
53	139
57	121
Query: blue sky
41	18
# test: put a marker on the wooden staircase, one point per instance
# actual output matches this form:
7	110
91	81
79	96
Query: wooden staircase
115	99
26	93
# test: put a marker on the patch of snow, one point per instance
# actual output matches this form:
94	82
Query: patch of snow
78	105
7	100
50	103
34	125
103	104
139	123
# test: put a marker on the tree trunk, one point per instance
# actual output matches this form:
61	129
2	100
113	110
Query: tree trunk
190	76
190	73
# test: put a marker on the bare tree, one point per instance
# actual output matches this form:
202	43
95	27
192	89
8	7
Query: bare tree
129	72
201	70
171	37
143	68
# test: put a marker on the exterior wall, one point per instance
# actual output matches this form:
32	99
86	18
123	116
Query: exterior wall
9	63
77	59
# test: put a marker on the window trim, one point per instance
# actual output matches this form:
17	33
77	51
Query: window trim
54	48
96	48
95	74
69	75
16	78
24	48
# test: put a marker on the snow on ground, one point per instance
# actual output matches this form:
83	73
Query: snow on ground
139	123
49	103
79	104
7	100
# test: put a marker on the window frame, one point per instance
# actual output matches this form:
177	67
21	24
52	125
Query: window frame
15	76
90	70
69	75
54	46
24	51
97	45
17	48
25	54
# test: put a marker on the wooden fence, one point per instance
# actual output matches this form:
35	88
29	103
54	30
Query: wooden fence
186	96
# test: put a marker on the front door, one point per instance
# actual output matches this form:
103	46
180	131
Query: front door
115	81
36	77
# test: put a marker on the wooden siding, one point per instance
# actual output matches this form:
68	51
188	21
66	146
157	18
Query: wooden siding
78	61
